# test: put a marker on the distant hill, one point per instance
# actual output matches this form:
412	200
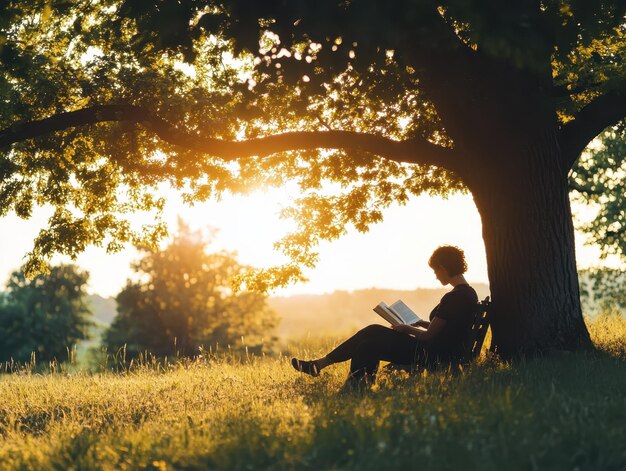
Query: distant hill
104	309
343	311
319	314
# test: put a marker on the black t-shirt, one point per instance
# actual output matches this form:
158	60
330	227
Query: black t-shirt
457	308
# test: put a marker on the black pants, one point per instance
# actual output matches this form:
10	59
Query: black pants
374	343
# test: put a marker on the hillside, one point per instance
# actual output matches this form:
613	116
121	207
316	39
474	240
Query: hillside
321	314
104	309
344	311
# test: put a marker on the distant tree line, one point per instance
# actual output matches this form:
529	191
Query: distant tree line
182	300
44	316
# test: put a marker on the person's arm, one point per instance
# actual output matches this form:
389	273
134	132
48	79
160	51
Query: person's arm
434	328
421	323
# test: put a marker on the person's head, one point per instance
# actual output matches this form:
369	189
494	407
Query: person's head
447	262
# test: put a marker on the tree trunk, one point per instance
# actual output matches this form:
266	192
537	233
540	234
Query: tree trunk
522	197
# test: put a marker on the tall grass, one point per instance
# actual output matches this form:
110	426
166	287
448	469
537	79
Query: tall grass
563	411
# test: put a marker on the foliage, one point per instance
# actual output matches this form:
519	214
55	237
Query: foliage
599	180
183	300
243	69
59	56
557	412
604	288
45	316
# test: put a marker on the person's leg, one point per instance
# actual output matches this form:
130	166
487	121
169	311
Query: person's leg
373	335
368	346
341	353
381	344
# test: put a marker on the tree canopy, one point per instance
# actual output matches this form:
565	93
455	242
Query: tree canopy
184	301
599	180
105	100
362	104
45	316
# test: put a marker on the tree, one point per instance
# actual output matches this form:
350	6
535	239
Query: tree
184	301
598	180
402	97
604	289
46	315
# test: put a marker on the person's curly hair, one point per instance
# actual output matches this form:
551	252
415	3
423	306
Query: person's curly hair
449	257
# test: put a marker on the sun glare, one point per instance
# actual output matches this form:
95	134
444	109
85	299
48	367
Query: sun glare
248	224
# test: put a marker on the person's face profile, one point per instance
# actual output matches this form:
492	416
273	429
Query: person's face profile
441	274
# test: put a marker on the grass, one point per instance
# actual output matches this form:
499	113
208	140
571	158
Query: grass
564	411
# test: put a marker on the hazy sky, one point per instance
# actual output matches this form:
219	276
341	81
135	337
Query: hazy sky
393	254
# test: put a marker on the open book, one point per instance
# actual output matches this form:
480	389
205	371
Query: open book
396	314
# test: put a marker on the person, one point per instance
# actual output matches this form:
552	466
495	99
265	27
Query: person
441	339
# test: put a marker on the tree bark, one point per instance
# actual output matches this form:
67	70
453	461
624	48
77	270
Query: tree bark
522	197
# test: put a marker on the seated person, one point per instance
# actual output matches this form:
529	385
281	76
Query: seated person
442	339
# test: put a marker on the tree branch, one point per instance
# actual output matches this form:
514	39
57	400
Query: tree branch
416	151
602	112
560	91
574	185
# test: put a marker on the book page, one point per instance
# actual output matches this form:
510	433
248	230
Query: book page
383	311
404	312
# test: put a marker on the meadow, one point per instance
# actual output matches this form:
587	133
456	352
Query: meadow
221	411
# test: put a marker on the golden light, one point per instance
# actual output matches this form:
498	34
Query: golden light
392	254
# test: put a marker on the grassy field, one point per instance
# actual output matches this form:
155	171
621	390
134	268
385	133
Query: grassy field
563	411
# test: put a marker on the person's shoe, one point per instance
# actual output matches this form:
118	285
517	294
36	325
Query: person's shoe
307	367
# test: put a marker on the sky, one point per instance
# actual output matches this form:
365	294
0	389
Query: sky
393	254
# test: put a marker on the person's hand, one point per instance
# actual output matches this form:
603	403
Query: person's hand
405	329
